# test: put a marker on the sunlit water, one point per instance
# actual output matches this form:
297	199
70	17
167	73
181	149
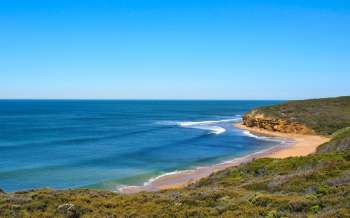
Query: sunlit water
104	144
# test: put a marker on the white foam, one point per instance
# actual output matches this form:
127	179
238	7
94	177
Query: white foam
217	130
212	129
265	138
247	133
151	180
208	125
122	188
204	125
192	123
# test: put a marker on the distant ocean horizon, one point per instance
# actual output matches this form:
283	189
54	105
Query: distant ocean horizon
106	144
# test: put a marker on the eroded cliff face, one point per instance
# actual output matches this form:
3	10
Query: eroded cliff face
260	120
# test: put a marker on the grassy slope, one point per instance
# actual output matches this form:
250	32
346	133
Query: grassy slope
340	141
317	185
325	116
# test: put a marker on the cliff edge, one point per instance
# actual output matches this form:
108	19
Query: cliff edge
316	116
257	118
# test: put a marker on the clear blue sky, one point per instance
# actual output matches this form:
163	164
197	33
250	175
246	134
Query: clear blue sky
167	49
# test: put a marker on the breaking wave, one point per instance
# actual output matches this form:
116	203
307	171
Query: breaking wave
209	125
265	138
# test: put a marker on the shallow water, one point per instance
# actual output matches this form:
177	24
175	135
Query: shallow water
105	144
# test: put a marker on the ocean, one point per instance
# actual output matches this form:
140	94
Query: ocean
106	144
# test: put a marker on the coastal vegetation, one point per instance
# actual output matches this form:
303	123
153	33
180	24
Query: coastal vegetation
340	141
317	185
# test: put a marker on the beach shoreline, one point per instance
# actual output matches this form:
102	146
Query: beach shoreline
303	144
294	145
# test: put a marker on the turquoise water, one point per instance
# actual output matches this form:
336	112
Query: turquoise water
104	144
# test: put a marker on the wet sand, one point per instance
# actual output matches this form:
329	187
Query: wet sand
302	146
299	145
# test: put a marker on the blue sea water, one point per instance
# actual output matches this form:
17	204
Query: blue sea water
104	144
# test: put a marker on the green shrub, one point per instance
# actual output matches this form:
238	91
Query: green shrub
315	209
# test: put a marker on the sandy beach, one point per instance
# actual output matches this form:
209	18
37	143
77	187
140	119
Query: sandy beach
299	145
303	144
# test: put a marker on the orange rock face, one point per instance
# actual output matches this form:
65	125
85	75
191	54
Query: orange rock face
256	119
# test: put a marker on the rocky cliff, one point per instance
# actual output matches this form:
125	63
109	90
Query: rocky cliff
261	120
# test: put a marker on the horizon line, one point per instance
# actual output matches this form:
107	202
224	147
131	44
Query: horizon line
143	99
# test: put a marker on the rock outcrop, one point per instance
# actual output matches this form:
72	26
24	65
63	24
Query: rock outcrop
258	119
